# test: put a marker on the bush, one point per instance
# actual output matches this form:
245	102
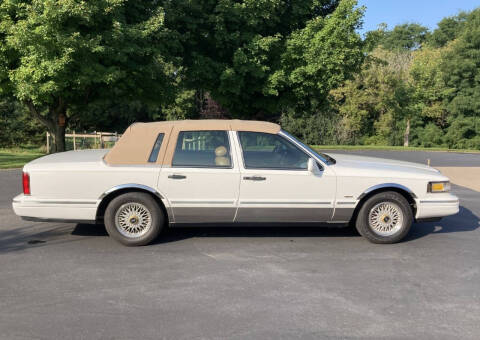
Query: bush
429	136
318	129
17	126
463	133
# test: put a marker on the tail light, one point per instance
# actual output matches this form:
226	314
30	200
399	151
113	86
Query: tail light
26	183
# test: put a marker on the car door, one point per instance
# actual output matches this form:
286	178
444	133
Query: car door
202	182
276	185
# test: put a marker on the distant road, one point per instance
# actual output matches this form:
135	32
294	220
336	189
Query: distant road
437	158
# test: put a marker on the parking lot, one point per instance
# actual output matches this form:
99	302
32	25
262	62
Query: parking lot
72	281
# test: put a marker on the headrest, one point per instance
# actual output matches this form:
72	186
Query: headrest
220	151
222	161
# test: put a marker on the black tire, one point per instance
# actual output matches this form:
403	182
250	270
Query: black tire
375	204
148	210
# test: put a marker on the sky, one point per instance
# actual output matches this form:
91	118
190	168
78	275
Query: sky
425	12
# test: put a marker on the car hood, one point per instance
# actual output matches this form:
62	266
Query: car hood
373	166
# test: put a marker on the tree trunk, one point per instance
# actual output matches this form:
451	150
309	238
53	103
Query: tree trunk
58	138
55	122
407	133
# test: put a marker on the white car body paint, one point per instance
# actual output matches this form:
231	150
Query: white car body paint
71	185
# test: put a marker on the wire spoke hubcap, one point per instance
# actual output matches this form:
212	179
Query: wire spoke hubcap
133	220
385	218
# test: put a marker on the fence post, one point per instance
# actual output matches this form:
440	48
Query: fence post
48	142
74	144
101	141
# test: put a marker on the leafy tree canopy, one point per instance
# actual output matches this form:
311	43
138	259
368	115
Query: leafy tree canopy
448	29
461	68
409	36
59	57
258	57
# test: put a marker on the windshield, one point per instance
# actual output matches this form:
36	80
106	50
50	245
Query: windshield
326	158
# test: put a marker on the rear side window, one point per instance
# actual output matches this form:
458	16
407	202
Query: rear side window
156	149
206	149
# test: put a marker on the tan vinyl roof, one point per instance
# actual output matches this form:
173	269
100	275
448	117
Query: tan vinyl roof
135	145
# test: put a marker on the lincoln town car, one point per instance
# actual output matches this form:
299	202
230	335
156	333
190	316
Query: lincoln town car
228	172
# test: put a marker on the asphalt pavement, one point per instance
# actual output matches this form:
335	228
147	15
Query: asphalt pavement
67	281
437	158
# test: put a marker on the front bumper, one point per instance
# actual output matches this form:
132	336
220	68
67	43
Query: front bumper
437	205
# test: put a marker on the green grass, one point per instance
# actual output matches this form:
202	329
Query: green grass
388	148
17	157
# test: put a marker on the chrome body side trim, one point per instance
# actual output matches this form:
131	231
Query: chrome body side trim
286	202
130	186
56	202
202	202
58	220
439	202
386	185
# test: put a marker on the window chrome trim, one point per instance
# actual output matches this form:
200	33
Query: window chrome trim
205	166
276	168
317	157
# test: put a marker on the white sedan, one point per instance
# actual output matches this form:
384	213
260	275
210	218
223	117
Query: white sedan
220	172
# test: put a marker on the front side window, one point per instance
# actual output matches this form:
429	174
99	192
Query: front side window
208	149
269	151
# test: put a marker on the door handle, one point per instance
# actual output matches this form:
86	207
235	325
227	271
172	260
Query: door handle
177	176
254	178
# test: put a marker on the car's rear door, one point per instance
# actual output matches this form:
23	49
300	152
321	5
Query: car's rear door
202	182
275	185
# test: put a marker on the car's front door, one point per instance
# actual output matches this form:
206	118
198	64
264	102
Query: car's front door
275	184
202	182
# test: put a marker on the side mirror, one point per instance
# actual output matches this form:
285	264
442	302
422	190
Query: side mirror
312	166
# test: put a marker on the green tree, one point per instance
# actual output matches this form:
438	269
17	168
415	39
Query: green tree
461	69
429	95
376	105
449	28
259	58
461	74
319	127
17	127
402	37
60	57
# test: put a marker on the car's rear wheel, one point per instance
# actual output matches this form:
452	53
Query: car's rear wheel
385	218
134	219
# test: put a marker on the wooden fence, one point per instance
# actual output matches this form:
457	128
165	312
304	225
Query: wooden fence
100	139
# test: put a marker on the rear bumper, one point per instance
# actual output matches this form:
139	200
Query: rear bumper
437	206
32	209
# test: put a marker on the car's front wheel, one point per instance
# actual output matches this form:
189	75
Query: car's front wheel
385	218
134	219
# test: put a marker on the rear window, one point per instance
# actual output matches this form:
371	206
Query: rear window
208	149
156	149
